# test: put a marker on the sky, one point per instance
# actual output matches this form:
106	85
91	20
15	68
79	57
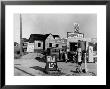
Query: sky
56	24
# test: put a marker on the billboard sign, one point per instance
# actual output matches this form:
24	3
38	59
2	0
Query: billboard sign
75	35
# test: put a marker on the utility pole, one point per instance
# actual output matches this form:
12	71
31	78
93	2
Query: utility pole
21	48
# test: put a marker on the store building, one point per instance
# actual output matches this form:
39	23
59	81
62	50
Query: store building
75	40
76	44
50	41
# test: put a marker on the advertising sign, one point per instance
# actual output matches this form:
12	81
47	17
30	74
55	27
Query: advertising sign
75	35
51	64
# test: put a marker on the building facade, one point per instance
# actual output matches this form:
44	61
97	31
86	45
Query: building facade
50	42
42	41
73	40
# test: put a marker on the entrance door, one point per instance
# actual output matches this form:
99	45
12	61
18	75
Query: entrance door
73	46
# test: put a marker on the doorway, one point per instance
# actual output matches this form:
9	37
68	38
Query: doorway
73	46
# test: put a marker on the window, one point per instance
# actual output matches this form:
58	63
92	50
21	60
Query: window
57	45
39	44
50	44
23	44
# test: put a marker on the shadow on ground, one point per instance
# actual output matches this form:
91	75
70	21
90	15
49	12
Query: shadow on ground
75	73
24	72
41	59
49	73
38	68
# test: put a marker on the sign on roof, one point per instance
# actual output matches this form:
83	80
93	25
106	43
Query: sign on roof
76	27
75	35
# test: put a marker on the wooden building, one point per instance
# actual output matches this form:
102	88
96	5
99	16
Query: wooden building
62	43
50	41
73	41
38	41
43	41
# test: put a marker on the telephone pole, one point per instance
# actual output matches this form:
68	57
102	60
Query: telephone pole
21	48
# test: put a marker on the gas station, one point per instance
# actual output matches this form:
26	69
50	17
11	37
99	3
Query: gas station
76	43
78	46
77	50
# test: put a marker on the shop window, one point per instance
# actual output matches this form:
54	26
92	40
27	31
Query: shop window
39	44
50	44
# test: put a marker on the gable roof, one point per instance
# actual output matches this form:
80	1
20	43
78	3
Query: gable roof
25	40
34	37
54	36
46	35
40	37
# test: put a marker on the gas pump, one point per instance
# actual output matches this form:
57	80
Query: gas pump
79	61
91	54
79	54
79	68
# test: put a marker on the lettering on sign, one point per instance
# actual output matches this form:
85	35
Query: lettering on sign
51	63
50	59
75	35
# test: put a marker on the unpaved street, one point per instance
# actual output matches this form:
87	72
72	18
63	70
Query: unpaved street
29	66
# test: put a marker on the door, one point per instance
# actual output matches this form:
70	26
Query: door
73	46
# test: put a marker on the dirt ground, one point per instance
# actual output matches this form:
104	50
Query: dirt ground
29	66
